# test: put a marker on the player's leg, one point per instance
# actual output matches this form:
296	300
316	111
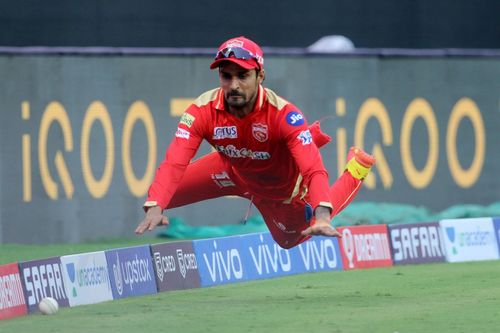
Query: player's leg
285	221
347	186
206	178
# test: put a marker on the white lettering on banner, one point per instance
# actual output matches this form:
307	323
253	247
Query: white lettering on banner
234	152
11	291
276	259
130	272
348	245
367	247
312	257
436	243
42	281
225	264
164	264
224	132
416	242
371	247
186	261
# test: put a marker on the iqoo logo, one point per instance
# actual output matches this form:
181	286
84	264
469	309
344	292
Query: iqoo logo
96	116
55	117
418	109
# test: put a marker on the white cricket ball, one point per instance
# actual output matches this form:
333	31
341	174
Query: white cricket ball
48	306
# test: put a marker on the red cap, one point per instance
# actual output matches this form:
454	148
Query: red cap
242	51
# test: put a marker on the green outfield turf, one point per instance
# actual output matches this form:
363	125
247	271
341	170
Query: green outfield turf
461	297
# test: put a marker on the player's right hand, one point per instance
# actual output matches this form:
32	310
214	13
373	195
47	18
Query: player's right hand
154	217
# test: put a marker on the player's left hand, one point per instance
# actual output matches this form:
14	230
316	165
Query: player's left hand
322	227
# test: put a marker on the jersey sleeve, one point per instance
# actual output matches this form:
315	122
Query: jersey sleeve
295	131
185	144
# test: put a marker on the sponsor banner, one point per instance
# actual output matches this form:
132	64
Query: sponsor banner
257	256
469	239
175	266
417	243
220	260
365	246
12	303
496	224
86	278
43	278
131	271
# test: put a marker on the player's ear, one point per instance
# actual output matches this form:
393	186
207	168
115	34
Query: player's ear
261	75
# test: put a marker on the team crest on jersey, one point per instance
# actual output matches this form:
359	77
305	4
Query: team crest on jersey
259	132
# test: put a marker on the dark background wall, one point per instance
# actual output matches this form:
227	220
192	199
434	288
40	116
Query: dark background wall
293	23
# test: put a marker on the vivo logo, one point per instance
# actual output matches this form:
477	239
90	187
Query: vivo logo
320	255
267	260
224	265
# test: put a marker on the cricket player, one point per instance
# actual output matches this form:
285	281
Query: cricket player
265	152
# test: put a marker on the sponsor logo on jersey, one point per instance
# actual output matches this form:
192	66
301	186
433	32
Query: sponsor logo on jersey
259	131
232	151
225	132
222	179
182	133
305	137
294	118
187	119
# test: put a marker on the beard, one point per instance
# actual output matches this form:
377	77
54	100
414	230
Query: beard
236	100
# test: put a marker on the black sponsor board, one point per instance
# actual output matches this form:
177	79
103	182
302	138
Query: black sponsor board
416	243
43	278
175	266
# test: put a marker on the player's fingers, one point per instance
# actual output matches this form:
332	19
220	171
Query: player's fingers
154	223
164	220
307	232
142	227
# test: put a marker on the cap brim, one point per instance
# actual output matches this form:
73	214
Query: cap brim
246	64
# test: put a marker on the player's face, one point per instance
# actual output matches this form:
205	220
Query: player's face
240	85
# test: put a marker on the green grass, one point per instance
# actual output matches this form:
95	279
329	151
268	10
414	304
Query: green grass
461	297
17	252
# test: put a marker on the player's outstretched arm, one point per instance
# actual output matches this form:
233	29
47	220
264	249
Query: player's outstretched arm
153	218
322	225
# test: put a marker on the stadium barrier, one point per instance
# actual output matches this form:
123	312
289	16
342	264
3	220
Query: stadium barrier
95	277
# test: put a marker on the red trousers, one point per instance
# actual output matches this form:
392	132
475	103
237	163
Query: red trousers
211	177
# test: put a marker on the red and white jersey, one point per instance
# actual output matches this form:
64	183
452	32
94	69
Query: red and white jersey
270	150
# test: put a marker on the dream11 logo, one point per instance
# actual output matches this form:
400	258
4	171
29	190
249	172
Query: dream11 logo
365	246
